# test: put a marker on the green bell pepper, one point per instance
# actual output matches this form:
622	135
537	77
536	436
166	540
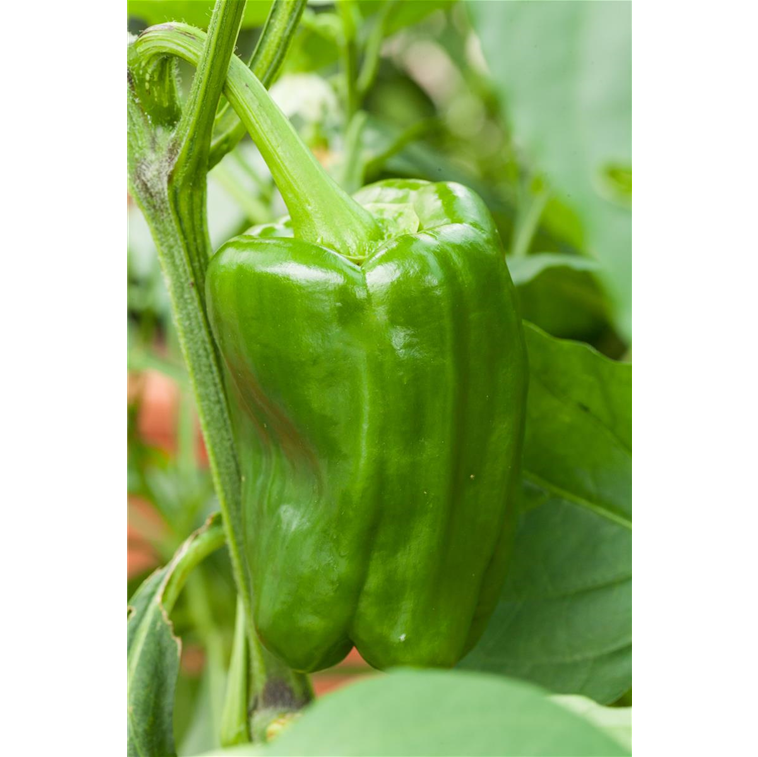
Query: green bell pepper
377	381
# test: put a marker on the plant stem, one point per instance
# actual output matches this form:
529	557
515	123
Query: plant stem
372	54
168	154
264	186
352	159
169	183
255	211
527	223
349	55
321	212
190	554
235	725
191	139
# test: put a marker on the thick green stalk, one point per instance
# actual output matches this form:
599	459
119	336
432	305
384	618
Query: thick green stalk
167	179
321	211
187	194
168	157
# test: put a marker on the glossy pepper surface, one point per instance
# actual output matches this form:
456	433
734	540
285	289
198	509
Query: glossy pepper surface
379	398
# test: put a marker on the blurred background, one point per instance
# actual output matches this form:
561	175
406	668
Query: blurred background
527	103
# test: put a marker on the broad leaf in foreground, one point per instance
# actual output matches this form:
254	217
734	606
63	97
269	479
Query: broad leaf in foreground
615	721
564	617
435	712
153	650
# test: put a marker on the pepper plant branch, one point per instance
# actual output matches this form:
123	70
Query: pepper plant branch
324	213
352	161
357	86
373	49
188	185
178	225
190	554
349	54
178	233
168	162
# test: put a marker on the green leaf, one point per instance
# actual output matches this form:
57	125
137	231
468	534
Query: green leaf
560	294
194	12
615	721
526	269
153	654
153	650
132	584
435	712
403	14
316	44
563	71
564	617
201	729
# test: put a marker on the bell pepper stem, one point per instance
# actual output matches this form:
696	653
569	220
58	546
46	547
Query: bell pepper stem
265	62
320	210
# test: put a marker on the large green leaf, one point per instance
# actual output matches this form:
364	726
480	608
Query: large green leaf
560	294
153	654
528	268
434	712
132	584
153	650
563	71
194	12
564	617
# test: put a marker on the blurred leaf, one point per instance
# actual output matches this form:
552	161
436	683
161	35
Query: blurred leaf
527	268
134	583
615	721
563	71
398	99
405	13
316	43
421	161
560	294
201	733
141	359
194	12
189	706
564	617
153	650
153	662
435	712
563	223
